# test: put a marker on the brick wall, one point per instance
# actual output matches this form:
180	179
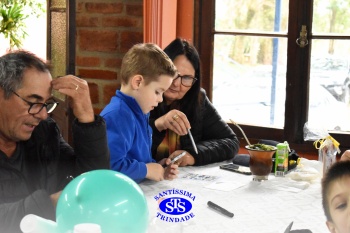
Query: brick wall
105	30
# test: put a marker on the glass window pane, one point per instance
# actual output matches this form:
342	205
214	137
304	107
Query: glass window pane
331	16
329	85
268	15
249	76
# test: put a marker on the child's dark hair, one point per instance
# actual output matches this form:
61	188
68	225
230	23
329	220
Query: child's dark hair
335	172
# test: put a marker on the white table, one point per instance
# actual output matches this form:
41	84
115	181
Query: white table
256	207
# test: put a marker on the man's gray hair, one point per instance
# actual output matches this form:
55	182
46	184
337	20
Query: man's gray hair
13	66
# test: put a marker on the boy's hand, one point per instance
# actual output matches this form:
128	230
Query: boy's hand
187	160
155	171
171	172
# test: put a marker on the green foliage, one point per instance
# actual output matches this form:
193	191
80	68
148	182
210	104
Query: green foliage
260	146
13	14
12	25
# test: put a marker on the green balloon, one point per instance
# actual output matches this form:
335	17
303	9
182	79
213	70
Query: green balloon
105	197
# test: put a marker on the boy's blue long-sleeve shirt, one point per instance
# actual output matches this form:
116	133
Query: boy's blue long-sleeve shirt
129	136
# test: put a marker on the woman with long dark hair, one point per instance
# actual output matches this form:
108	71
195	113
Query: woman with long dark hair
186	109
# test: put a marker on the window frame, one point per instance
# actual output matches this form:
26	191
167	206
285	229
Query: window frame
297	76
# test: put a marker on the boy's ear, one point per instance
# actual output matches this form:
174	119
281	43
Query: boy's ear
136	81
331	226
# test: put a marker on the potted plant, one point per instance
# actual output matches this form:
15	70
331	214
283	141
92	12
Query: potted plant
13	14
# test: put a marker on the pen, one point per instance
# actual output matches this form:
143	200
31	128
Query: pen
178	157
193	144
220	209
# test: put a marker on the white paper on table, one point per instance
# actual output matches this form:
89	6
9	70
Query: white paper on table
198	177
285	184
225	185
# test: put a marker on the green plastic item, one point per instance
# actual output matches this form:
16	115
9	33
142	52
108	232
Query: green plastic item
281	159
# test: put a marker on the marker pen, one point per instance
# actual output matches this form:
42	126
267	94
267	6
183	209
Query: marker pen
220	209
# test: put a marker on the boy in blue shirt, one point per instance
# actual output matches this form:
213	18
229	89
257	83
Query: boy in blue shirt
146	73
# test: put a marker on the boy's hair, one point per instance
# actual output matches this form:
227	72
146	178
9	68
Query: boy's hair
337	171
148	60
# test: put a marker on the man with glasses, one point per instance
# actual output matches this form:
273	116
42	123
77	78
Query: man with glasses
35	162
186	109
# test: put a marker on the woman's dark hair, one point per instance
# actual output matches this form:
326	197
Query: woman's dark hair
189	104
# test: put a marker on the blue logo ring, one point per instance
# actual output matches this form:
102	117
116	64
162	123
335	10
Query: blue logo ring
175	206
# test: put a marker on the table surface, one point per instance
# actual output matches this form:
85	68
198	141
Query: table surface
258	207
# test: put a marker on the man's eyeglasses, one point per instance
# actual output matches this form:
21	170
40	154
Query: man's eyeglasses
35	108
186	80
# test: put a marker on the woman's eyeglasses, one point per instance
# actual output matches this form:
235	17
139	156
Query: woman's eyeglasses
186	80
35	108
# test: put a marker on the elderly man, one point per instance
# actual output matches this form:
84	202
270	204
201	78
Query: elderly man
35	162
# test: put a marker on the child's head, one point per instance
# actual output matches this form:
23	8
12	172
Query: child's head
148	60
336	197
146	73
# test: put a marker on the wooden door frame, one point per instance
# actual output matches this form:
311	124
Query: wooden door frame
63	114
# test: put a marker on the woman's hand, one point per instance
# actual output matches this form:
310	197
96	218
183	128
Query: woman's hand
174	120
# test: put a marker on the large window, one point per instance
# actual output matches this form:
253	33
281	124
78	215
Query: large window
274	65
